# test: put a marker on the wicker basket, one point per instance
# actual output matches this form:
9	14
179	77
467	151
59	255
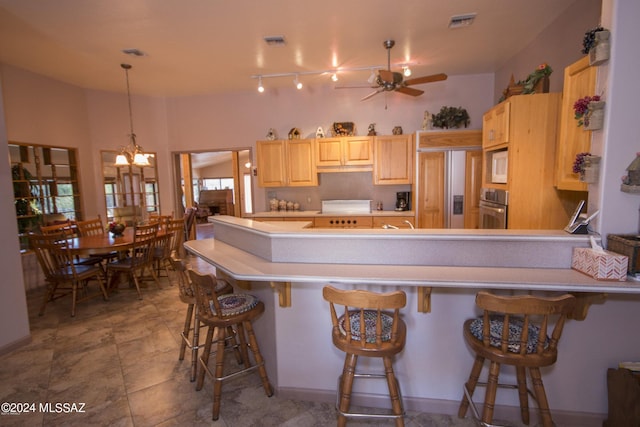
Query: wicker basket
626	244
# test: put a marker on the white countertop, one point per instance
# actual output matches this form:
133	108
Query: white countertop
246	251
293	214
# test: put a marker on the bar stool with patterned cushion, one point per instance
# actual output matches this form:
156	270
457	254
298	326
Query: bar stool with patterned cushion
225	315
191	332
509	333
378	316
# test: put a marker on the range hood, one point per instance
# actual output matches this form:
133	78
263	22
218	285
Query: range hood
346	207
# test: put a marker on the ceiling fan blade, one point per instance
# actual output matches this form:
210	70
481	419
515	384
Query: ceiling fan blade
426	79
409	91
372	94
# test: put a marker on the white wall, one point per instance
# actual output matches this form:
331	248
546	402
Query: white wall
14	318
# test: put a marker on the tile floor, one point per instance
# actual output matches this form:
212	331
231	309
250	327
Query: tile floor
118	359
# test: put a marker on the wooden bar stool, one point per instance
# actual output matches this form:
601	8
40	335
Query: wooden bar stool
384	336
227	316
191	332
509	333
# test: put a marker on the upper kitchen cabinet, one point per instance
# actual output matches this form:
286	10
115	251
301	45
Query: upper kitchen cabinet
495	125
534	202
347	153
393	159
579	81
287	163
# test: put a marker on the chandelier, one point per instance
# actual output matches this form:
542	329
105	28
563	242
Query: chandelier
132	153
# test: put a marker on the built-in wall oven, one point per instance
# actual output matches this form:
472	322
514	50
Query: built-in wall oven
493	208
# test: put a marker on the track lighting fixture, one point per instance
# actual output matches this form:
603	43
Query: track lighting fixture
333	73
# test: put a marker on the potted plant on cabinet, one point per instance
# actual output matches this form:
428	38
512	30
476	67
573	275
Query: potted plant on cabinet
451	118
589	112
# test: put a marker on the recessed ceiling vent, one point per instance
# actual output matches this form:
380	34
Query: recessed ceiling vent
458	21
274	40
133	52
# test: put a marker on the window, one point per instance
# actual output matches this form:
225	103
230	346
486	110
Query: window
45	184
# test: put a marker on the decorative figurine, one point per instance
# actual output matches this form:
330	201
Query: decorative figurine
319	132
372	130
397	130
294	133
427	122
271	135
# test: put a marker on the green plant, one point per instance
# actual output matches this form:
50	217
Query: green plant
451	117
24	193
543	70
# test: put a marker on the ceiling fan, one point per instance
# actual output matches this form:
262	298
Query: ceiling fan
388	81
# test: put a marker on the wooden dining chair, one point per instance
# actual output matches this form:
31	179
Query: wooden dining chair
167	244
367	324
514	330
227	316
140	258
70	229
191	332
62	274
95	227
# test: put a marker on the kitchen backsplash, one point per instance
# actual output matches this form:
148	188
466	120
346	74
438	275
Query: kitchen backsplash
338	186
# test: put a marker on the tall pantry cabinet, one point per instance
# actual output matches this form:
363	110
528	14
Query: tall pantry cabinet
528	129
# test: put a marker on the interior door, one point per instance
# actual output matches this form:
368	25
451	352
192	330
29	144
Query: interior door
431	174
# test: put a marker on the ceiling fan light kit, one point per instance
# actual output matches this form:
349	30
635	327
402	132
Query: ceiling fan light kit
380	79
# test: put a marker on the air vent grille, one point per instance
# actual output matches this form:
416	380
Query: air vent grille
274	40
459	21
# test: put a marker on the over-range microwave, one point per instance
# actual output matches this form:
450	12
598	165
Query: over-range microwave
499	163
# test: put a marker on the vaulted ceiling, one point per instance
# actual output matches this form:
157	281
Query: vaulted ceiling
209	46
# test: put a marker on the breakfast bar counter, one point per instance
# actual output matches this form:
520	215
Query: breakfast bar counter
440	271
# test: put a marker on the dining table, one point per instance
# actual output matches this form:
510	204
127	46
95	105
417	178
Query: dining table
104	244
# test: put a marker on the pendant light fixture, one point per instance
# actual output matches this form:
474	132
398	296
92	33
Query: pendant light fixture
132	153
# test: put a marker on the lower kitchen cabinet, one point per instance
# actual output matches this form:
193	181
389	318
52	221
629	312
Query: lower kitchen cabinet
395	221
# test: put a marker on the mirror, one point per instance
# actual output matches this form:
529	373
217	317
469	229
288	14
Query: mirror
131	192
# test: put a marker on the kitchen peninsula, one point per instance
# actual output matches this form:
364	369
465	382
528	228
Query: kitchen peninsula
455	264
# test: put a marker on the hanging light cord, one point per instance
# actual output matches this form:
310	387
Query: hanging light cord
126	72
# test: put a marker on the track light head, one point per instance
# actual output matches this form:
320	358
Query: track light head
260	87
297	83
406	70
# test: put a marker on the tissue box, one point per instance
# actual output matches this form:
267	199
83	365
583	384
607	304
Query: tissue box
601	265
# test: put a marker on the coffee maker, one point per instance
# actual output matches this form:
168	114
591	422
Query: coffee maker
403	201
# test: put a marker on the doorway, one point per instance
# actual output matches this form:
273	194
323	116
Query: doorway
227	171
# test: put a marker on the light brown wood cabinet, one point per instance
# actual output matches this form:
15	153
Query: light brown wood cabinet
286	163
396	221
534	202
432	175
335	153
579	81
394	159
495	125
